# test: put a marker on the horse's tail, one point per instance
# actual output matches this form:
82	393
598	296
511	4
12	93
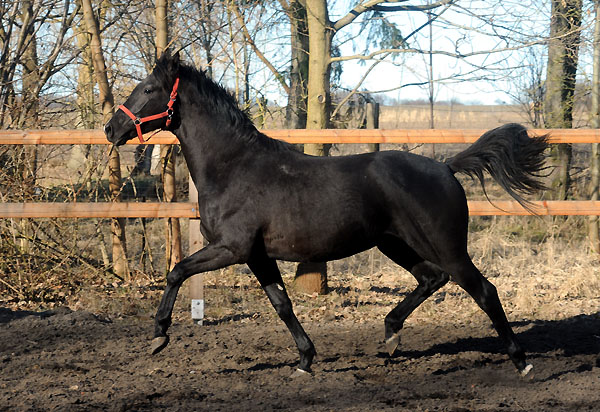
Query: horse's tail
510	156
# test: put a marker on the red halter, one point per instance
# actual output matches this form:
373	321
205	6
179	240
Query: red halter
167	113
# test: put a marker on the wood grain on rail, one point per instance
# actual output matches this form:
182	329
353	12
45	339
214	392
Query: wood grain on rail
99	210
413	136
190	210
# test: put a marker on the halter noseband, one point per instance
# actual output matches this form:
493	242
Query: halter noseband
167	113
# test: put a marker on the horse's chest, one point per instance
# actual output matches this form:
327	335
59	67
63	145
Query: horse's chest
223	214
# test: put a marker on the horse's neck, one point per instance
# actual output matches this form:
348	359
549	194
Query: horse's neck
207	147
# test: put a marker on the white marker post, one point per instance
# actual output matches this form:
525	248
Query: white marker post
196	282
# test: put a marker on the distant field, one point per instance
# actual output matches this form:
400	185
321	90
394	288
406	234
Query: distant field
446	116
449	116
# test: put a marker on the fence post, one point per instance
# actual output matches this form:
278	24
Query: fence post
196	282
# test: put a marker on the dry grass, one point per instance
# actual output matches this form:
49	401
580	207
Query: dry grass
542	268
550	279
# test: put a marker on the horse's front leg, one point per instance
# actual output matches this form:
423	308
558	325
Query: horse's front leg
266	271
211	257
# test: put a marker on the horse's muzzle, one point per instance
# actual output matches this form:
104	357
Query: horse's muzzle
112	134
108	131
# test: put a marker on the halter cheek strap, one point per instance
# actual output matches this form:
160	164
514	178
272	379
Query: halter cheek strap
167	113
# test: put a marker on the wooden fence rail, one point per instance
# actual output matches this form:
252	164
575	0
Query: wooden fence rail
190	210
32	137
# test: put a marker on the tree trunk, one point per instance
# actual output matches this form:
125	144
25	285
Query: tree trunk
372	118
162	28
143	152
85	85
563	50
173	251
120	264
319	68
87	113
295	113
593	226
312	277
28	118
85	103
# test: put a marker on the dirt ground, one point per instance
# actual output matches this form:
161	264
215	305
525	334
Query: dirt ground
68	360
93	354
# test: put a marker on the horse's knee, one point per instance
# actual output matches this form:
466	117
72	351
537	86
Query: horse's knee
175	277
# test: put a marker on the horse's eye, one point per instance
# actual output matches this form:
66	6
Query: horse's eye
147	91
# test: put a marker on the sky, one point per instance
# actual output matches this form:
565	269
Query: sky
459	29
485	78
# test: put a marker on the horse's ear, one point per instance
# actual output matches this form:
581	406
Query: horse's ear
175	59
168	66
174	64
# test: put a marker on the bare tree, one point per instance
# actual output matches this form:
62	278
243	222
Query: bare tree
529	87
298	77
167	153
19	25
119	242
23	75
563	53
594	188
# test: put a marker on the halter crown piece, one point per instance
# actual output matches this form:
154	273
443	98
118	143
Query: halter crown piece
167	113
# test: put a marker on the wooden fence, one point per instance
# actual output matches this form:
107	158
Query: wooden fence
190	209
351	136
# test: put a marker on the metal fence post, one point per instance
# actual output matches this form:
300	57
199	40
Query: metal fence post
196	282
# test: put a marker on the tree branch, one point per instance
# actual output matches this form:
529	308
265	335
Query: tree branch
376	5
258	53
355	89
424	7
455	55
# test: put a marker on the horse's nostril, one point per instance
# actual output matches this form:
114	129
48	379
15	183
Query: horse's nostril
108	130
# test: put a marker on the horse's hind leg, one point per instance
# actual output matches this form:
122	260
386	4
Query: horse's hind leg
430	278
269	277
484	293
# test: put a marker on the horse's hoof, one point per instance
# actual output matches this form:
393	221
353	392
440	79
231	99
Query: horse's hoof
525	372
158	344
392	343
300	373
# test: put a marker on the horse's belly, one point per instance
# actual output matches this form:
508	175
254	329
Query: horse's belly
316	243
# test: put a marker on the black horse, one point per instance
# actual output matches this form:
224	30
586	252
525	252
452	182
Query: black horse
261	200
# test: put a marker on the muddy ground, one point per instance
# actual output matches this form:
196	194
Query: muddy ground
75	360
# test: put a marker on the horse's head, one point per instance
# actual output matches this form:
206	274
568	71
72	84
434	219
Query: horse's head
150	106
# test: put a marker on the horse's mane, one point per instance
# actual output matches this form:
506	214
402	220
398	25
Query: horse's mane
218	101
